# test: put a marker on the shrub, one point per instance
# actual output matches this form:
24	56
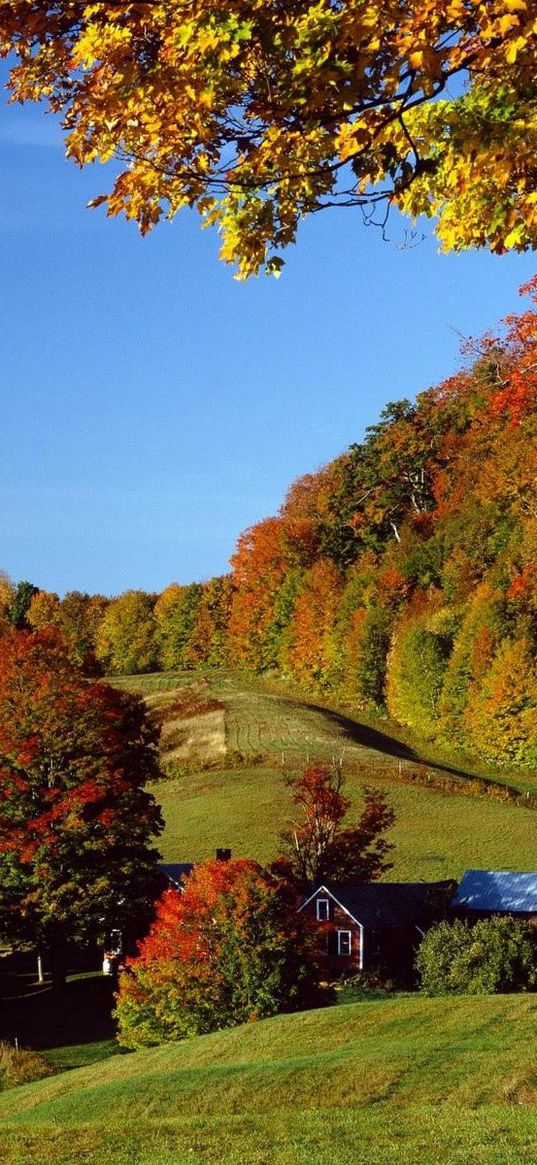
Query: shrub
21	1066
497	954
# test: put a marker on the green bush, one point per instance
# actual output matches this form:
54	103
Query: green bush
497	954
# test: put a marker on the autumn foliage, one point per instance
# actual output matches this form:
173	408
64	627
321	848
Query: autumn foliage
76	824
229	949
322	845
402	577
257	113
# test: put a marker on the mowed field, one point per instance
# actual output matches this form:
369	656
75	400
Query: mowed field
404	1079
232	740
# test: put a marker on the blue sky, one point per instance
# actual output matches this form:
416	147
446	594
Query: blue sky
153	407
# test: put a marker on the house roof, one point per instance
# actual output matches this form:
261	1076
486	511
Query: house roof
497	891
176	872
389	904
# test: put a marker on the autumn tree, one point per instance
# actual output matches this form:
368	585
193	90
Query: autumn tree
321	845
176	612
78	617
309	654
260	566
258	114
76	824
229	949
7	591
501	718
126	639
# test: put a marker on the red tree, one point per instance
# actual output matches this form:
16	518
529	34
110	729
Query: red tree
320	846
75	821
230	949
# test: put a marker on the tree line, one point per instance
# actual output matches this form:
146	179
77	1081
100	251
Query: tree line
400	578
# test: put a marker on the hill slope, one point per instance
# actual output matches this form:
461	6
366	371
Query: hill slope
439	832
404	1079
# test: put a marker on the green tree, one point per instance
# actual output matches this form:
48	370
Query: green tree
76	824
176	612
416	667
496	954
22	598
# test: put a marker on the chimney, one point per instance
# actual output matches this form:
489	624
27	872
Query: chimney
223	855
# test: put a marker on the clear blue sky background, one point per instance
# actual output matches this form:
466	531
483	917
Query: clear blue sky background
152	407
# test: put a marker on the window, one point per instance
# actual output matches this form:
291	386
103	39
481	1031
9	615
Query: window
323	909
375	942
344	942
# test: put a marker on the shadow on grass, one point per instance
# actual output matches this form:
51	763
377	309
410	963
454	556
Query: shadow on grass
368	737
40	1018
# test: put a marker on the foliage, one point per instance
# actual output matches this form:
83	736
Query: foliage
176	612
502	720
416	668
76	824
126	636
496	954
257	114
22	597
78	616
7	591
229	949
320	846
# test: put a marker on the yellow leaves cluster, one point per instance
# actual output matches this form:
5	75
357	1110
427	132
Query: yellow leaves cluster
257	113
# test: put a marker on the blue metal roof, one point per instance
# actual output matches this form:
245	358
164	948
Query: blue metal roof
497	891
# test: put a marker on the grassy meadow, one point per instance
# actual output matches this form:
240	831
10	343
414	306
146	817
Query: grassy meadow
406	1078
377	1080
240	799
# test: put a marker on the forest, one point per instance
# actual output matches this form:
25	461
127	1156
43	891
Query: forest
400	578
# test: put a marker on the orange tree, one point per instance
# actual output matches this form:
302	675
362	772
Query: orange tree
76	824
258	112
229	949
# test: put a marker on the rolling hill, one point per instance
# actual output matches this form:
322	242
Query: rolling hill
402	1079
230	739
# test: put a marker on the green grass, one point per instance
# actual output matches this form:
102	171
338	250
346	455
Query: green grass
402	1080
437	834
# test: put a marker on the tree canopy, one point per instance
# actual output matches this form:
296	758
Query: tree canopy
321	844
259	112
231	948
76	824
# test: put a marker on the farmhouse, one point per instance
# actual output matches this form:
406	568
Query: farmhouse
376	925
485	892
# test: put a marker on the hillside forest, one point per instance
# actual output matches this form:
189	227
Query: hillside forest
400	579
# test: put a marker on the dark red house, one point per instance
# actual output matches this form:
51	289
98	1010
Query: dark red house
376	926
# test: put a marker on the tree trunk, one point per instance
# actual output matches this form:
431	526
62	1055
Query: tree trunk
40	977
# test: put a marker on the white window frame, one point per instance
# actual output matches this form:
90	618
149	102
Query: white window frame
348	933
326	903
